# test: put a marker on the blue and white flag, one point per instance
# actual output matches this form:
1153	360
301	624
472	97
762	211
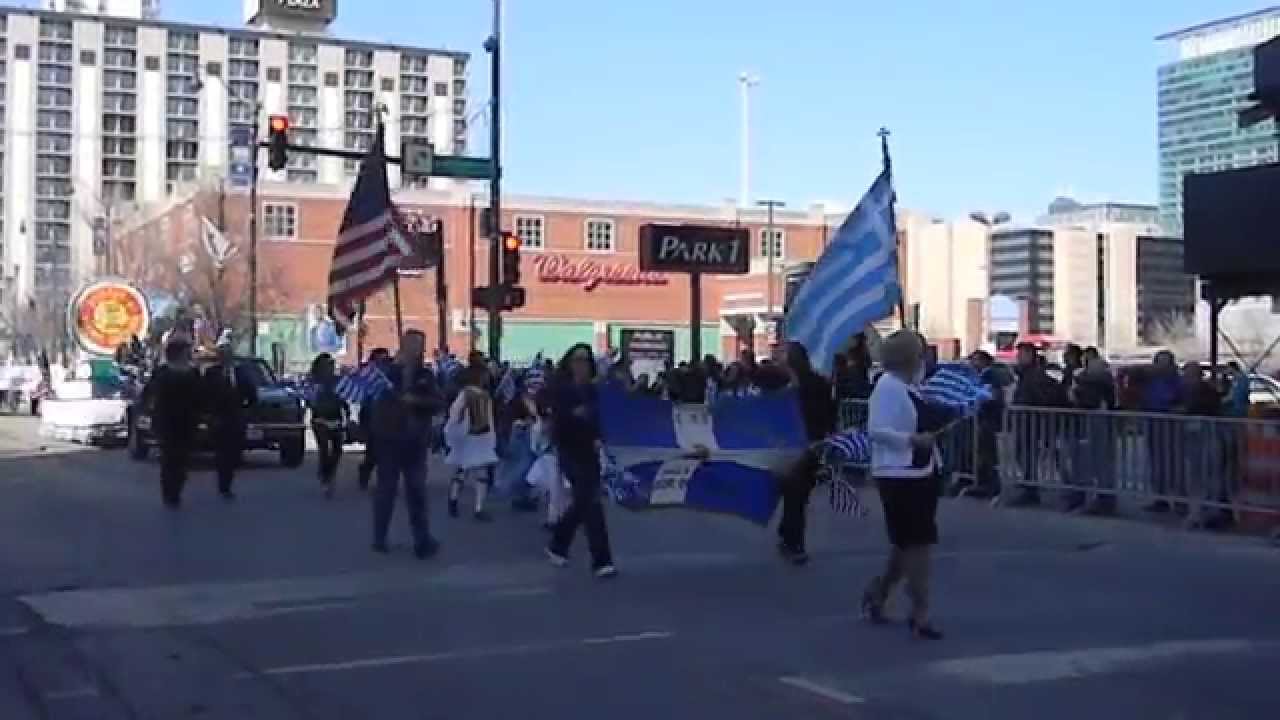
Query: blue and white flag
363	385
848	448
853	284
956	388
506	391
725	457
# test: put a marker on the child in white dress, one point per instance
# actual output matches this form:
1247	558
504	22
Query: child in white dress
473	442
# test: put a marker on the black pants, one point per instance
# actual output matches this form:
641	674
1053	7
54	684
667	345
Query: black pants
228	450
175	456
368	463
795	490
329	445
586	509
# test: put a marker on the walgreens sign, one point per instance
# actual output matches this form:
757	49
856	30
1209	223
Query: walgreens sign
591	274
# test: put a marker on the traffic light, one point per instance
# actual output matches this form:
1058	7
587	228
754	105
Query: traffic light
510	259
277	142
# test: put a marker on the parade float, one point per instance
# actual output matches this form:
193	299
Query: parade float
89	402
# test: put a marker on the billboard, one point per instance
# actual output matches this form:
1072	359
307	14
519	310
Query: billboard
315	10
1231	221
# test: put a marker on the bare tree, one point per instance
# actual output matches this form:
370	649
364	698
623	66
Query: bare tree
36	323
1176	332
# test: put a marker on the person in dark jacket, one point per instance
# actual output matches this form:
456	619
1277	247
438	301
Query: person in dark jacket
402	422
1094	390
380	357
576	435
230	393
820	413
990	422
173	395
328	418
1034	389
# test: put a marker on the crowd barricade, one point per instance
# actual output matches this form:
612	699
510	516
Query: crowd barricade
957	443
1196	465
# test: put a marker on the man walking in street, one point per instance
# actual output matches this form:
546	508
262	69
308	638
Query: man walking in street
230	394
380	358
401	429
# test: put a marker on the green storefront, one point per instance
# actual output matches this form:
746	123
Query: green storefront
524	339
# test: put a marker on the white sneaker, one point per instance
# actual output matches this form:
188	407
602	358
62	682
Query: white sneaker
606	571
556	558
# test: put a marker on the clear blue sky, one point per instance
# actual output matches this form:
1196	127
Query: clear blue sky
993	104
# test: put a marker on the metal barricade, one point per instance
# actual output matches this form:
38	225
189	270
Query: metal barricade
1195	465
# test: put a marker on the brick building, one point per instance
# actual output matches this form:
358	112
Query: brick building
580	267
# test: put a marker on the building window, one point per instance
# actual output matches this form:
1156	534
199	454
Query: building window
280	221
442	89
779	244
599	235
530	230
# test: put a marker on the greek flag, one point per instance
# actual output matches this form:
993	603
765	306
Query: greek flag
956	388
363	385
449	367
724	457
853	284
506	391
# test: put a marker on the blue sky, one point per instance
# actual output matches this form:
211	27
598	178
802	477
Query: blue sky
993	104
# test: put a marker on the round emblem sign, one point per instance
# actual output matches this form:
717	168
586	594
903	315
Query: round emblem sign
107	313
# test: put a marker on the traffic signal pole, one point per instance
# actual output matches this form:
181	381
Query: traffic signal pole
494	46
253	240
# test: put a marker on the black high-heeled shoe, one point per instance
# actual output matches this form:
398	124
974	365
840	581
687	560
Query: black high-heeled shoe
873	607
923	631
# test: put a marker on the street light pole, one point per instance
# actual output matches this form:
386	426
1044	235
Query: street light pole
746	81
494	46
771	249
253	235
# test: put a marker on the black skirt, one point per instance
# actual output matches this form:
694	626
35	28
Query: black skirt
910	510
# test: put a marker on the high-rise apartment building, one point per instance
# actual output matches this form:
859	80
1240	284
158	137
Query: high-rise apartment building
106	112
1200	95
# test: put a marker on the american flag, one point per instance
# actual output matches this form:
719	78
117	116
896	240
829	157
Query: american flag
371	240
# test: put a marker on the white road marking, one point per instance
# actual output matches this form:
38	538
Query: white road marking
822	691
73	693
627	638
14	631
427	658
306	608
520	592
1047	666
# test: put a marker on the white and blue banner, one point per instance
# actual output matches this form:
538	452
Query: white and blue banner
725	457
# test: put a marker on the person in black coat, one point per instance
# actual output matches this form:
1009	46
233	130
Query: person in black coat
171	394
820	413
230	393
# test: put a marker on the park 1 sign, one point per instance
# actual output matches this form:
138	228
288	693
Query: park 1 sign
695	249
105	314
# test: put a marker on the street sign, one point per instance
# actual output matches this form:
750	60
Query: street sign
240	165
695	249
509	298
416	157
461	166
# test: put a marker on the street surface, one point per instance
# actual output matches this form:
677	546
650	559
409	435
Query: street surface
274	607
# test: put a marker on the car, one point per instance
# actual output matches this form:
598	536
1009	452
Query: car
276	421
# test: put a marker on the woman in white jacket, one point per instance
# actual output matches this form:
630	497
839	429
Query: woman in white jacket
473	443
904	465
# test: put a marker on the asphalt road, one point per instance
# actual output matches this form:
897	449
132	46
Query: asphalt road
274	607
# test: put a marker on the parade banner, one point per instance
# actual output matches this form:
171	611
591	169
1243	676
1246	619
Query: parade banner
726	457
106	313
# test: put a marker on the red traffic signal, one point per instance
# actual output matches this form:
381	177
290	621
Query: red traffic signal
277	142
510	259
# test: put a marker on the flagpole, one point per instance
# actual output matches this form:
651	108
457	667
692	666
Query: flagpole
893	223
